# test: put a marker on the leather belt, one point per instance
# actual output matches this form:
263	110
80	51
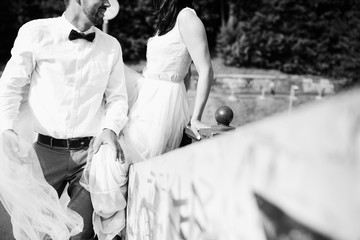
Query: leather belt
71	143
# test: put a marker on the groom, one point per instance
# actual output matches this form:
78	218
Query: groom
77	91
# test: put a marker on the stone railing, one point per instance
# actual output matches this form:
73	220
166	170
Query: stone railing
291	176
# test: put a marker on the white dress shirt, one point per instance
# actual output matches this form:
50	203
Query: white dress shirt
77	87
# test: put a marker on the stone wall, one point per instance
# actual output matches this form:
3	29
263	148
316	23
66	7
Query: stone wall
291	176
280	84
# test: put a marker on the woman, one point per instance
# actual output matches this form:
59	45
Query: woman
158	107
160	113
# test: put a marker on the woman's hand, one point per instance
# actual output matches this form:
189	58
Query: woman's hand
195	126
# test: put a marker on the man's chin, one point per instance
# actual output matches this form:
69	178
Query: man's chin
97	21
101	22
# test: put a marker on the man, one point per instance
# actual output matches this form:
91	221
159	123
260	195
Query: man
77	91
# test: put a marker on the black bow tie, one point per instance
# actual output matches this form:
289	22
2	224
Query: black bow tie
76	35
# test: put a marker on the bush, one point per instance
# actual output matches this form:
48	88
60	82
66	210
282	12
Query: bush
298	37
132	28
17	12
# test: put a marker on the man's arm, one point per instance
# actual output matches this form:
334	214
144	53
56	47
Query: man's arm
116	108
116	99
16	75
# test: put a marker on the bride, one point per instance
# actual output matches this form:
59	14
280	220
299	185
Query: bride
161	112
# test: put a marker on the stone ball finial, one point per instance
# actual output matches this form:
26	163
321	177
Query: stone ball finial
224	115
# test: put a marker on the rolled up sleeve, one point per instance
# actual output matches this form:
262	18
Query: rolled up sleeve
116	107
15	77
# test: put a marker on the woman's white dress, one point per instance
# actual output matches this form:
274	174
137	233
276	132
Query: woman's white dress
158	115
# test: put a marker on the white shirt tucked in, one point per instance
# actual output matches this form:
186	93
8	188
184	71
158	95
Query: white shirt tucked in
76	87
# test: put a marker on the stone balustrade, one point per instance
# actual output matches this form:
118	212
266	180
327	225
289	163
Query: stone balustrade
289	176
280	83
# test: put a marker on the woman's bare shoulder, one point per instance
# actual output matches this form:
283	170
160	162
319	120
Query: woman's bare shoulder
189	20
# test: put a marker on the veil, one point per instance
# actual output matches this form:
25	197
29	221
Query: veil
33	205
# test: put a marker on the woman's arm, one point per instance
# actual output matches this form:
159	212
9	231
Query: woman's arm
194	36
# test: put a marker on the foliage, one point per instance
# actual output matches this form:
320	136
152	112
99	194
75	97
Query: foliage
209	13
131	26
302	37
319	37
15	13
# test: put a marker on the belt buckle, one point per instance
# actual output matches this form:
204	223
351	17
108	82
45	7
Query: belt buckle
68	142
51	142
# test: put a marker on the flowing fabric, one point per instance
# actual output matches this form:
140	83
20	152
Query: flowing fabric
106	180
158	118
133	84
33	204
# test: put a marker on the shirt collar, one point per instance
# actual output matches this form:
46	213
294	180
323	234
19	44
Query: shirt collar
69	26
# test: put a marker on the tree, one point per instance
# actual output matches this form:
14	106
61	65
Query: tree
299	37
17	12
132	28
209	11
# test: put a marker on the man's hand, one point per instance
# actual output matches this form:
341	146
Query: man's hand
108	137
11	145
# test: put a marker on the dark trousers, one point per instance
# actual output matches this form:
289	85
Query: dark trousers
62	166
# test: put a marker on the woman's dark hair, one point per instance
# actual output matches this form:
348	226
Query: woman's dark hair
66	2
166	12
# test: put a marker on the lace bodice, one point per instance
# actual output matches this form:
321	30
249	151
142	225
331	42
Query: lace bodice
167	55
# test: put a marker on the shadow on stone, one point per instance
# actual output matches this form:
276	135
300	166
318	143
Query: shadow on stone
279	226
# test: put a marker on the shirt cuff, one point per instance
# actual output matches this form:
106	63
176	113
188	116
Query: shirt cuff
116	127
6	125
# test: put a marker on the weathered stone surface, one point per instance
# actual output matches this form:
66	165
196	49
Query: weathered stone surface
306	165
